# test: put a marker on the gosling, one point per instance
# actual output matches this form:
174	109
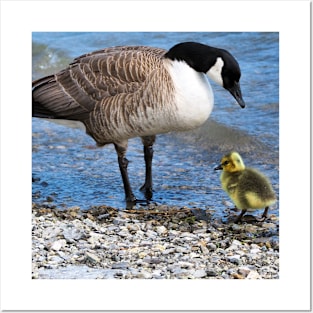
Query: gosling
248	188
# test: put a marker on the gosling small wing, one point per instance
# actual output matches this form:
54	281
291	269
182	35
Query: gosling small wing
74	92
230	182
256	183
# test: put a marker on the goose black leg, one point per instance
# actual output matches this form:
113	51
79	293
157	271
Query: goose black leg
146	188
121	149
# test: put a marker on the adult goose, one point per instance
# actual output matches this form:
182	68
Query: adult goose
137	91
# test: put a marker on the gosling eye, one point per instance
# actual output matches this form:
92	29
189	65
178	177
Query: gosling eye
226	162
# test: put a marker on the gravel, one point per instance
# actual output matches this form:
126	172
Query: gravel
154	242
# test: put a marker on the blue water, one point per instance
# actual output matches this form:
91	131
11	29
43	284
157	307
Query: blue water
69	170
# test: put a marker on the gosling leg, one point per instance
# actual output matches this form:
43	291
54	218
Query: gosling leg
238	219
264	215
146	188
265	212
121	149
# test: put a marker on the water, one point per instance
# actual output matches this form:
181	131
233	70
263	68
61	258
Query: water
71	171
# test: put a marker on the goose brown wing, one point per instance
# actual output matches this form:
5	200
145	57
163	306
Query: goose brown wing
74	92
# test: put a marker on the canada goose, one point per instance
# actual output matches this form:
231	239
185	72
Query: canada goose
137	91
248	188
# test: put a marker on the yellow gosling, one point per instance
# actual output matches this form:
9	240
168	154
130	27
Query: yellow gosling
248	188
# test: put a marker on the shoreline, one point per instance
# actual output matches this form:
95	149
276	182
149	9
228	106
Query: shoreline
154	242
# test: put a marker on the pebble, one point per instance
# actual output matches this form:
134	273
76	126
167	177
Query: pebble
158	242
57	245
92	257
199	274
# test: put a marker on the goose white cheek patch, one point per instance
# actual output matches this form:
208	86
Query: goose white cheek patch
215	72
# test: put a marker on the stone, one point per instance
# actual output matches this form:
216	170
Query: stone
144	275
145	246
120	265
181	249
161	230
244	271
92	257
211	272
71	234
118	221
57	245
199	274
235	259
254	275
255	250
211	246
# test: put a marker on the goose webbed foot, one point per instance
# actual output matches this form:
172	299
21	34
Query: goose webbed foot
130	201
130	204
147	191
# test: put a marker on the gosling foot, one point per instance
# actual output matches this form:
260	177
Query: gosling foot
239	217
264	215
262	219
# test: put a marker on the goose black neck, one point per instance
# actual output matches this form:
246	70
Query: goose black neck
199	56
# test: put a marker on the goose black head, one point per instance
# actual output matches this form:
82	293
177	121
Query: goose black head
217	63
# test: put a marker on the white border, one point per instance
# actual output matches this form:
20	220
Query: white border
291	19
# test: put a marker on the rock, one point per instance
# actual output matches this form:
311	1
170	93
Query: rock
269	225
186	264
124	233
118	221
169	251
157	274
237	276
158	247
251	228
146	246
181	249
133	228
103	216
71	234
55	259
199	274
92	257
211	272
235	259
236	243
120	265
161	230
51	232
255	251
142	254
244	271
254	275
57	245
144	274
236	227
151	234
203	247
211	246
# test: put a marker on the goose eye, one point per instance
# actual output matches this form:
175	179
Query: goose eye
226	162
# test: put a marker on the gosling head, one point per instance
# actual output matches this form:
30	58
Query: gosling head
231	163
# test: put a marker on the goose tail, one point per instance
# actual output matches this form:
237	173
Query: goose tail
38	109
